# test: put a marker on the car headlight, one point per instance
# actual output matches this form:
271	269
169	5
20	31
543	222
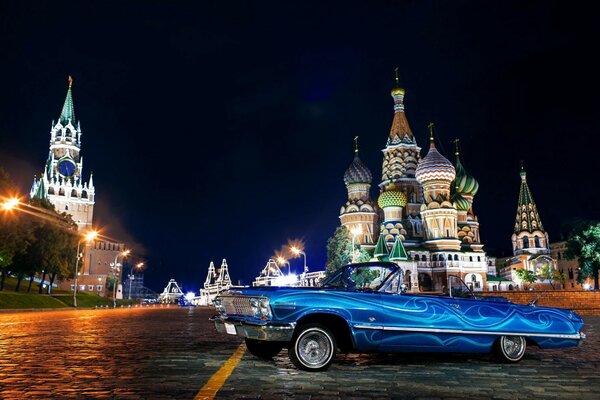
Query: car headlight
260	308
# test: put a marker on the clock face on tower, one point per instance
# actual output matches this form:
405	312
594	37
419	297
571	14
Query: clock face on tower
66	167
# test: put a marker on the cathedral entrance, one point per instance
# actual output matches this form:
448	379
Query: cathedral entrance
425	283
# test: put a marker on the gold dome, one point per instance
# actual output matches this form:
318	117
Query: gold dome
397	91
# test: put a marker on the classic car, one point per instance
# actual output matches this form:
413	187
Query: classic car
364	307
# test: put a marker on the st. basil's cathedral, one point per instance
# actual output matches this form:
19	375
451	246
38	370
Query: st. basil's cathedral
423	218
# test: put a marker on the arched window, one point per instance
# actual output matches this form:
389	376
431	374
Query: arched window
537	241
73	193
479	258
434	257
471	258
84	194
473	278
456	257
423	258
525	242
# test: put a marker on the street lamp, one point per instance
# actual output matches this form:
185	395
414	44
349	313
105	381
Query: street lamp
357	230
132	276
10	204
282	261
88	237
297	252
115	267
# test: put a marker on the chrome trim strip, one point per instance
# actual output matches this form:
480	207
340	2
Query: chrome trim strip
580	335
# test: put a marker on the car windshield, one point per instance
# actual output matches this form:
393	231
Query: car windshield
361	277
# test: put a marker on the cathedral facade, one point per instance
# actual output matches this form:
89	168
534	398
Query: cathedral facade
423	218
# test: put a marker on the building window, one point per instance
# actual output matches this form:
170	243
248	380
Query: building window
99	288
434	257
423	258
72	287
456	257
537	241
479	258
90	288
471	258
525	242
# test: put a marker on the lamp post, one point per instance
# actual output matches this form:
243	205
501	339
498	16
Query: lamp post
115	267
357	230
90	236
132	276
282	261
297	252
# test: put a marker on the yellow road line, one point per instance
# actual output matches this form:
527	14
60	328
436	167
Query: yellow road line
214	384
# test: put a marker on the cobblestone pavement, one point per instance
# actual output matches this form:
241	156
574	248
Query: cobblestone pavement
171	353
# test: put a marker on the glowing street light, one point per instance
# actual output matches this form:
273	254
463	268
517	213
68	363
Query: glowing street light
88	237
10	204
138	266
282	261
115	267
356	231
297	252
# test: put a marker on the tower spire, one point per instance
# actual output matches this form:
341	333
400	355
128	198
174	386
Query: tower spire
528	218
400	129
68	111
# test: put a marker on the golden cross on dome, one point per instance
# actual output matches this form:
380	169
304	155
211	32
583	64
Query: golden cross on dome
456	146
430	126
397	79
356	144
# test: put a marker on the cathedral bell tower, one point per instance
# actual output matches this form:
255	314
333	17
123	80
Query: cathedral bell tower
62	181
400	196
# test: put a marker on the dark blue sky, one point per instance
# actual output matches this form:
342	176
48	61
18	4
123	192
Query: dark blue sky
222	130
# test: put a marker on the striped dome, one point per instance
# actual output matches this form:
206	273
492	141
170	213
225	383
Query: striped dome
435	167
464	183
357	172
392	198
461	203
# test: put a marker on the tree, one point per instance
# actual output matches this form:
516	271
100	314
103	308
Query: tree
584	245
526	277
551	274
13	233
339	250
52	245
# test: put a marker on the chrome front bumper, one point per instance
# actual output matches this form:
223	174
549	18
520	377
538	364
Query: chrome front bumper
270	331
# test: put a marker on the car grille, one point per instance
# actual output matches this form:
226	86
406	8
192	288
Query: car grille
237	305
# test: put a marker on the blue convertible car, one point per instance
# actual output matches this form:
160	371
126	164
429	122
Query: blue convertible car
363	307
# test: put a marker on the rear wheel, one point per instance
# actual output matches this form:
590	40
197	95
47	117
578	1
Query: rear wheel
510	349
262	348
313	347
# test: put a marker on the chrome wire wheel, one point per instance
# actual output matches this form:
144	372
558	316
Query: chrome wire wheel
511	348
313	348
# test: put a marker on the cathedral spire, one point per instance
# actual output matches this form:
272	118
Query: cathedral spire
68	111
528	218
400	131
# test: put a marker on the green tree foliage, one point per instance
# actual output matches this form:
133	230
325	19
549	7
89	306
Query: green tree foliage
526	277
339	249
584	245
13	233
52	244
551	274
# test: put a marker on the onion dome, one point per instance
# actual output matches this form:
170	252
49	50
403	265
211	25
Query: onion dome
461	203
434	166
392	198
357	172
464	183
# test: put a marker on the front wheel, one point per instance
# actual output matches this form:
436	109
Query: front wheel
263	349
313	347
510	349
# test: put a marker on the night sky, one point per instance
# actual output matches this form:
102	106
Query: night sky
221	130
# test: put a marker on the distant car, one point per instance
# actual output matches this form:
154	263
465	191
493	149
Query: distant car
363	307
